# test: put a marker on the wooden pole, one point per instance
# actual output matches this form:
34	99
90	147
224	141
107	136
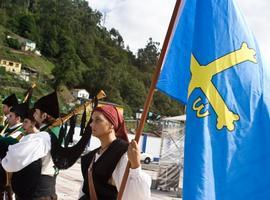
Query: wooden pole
149	98
61	120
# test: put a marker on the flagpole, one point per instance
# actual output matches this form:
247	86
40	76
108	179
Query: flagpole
151	91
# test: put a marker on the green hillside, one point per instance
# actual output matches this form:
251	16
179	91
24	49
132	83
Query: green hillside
11	83
2	34
41	64
78	52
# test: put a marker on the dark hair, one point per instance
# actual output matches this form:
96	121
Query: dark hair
30	116
49	119
16	115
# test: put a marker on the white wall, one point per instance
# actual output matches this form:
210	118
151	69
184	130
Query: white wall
80	93
83	94
153	146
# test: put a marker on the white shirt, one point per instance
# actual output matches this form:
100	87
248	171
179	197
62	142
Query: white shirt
30	148
138	183
5	118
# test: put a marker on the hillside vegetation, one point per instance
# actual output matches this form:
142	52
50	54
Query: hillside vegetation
80	53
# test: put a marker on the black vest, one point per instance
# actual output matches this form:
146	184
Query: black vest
3	179
1	127
4	144
102	170
9	131
25	181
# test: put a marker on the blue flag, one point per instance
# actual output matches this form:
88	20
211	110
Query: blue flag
214	66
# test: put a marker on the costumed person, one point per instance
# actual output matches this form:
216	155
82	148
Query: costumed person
25	181
37	146
46	112
15	117
8	103
103	168
30	125
16	131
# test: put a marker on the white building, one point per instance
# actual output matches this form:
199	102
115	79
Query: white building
80	93
11	66
29	46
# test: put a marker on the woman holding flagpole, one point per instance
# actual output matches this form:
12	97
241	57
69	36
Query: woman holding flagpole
103	168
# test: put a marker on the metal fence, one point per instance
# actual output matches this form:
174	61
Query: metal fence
171	156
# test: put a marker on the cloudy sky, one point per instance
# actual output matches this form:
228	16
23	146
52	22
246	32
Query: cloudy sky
137	20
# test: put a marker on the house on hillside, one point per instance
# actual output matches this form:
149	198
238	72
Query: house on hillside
28	72
11	66
28	45
25	44
80	93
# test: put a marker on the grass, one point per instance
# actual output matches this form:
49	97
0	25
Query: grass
11	83
41	64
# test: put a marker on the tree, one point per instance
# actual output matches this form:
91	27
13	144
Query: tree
164	105
3	16
27	27
117	38
69	68
69	33
13	43
147	57
135	90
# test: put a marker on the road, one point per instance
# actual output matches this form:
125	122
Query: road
69	182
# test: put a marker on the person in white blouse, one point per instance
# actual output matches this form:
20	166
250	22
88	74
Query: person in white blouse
31	170
103	168
35	147
16	115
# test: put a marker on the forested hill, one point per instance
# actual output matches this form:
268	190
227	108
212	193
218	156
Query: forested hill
86	54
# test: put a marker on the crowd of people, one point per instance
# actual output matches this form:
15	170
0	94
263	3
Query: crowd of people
28	170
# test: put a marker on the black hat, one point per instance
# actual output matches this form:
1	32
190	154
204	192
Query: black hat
49	105
20	110
10	100
30	114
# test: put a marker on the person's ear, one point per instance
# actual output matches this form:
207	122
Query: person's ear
44	116
19	119
110	125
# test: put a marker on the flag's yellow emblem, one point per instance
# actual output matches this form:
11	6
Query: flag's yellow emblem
201	77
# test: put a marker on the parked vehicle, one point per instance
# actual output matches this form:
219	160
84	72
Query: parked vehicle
146	157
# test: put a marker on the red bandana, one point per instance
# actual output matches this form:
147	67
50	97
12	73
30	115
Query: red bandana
116	118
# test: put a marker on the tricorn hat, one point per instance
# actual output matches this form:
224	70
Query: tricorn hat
48	104
10	101
20	110
30	114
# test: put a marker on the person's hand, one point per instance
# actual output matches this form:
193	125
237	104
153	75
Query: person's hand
134	154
